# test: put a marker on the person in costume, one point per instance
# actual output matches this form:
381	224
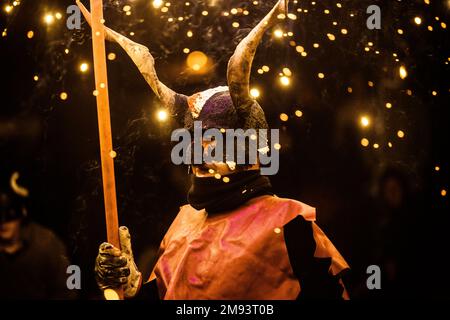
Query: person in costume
235	239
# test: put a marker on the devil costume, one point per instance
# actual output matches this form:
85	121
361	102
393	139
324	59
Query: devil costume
235	239
265	248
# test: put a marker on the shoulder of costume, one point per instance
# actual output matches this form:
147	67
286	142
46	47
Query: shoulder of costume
291	207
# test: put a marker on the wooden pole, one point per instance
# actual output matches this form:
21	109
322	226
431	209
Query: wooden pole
104	126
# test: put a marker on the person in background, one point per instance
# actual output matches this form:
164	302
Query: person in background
33	261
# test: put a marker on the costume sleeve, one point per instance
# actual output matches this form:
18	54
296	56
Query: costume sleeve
316	263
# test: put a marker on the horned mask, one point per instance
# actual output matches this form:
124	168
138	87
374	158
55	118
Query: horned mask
220	107
231	106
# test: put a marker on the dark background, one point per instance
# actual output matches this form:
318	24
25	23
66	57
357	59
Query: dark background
54	143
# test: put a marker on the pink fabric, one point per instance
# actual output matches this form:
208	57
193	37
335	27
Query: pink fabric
239	254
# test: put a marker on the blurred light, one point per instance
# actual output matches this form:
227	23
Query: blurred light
278	33
443	192
255	93
376	146
58	15
402	72
162	115
321	75
36	78
265	68
49	19
186	50
299	49
365	121
217	176
277	146
400	134
437	168
111	56
196	60
388	105
226	179
84	67
287	72
284	117
8	8
285	81
66	51
126	8
344	31
364	142
277	230
331	36
400	31
113	154
390	144
235	24
190	34
63	96
418	20
30	34
298	113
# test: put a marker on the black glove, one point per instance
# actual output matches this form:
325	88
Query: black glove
115	268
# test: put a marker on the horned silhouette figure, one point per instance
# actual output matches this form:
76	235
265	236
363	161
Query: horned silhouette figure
224	107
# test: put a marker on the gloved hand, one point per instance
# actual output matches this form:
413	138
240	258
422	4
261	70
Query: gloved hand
115	268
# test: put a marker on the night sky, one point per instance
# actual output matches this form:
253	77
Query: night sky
360	105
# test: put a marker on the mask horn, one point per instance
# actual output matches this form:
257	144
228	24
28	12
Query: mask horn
143	59
18	189
240	64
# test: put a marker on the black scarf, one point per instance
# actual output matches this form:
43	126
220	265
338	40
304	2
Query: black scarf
214	195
